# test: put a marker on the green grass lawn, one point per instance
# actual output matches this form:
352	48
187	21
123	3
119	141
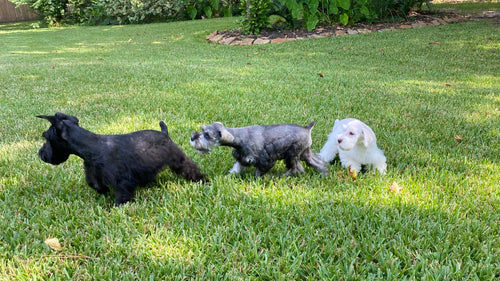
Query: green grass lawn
466	6
434	107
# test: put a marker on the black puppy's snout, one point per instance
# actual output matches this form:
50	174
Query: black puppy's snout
43	155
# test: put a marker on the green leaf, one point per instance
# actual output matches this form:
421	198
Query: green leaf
208	11
344	19
227	12
313	6
294	7
333	9
311	22
296	11
344	4
364	10
191	10
215	4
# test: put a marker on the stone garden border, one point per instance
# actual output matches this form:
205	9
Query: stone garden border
235	38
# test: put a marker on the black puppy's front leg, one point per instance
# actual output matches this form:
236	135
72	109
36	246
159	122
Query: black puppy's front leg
93	176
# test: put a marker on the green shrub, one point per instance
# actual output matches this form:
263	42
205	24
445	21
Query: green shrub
348	12
211	8
256	15
52	11
310	13
395	9
79	11
135	11
105	11
97	14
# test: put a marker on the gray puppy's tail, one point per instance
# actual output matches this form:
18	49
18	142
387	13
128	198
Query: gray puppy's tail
314	161
311	125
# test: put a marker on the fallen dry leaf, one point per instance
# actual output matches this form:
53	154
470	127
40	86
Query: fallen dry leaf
447	85
435	43
353	173
53	243
321	75
395	187
345	48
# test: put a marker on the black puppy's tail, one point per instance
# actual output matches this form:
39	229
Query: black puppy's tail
164	128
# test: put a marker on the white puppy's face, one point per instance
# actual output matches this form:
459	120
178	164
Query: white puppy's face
349	133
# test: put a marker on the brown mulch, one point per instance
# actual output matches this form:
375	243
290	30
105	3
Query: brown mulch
415	20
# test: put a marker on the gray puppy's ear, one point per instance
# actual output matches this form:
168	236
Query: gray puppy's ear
225	136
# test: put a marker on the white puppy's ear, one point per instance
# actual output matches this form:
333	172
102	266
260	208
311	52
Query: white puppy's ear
368	136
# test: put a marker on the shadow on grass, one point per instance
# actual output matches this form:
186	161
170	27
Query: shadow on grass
22	25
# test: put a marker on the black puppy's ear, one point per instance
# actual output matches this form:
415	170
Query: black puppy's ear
63	128
62	116
52	119
59	117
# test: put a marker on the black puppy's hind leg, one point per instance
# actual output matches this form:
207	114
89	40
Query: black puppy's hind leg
124	191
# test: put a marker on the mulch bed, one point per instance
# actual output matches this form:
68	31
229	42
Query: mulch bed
415	20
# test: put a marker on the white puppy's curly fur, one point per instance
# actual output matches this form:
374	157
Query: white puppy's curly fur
356	145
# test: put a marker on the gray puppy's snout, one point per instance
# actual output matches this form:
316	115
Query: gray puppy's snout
194	135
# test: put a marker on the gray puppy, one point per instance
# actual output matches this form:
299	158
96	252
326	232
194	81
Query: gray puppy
262	145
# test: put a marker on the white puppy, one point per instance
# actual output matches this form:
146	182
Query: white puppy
356	145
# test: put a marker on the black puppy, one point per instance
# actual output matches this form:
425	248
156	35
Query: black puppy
120	161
